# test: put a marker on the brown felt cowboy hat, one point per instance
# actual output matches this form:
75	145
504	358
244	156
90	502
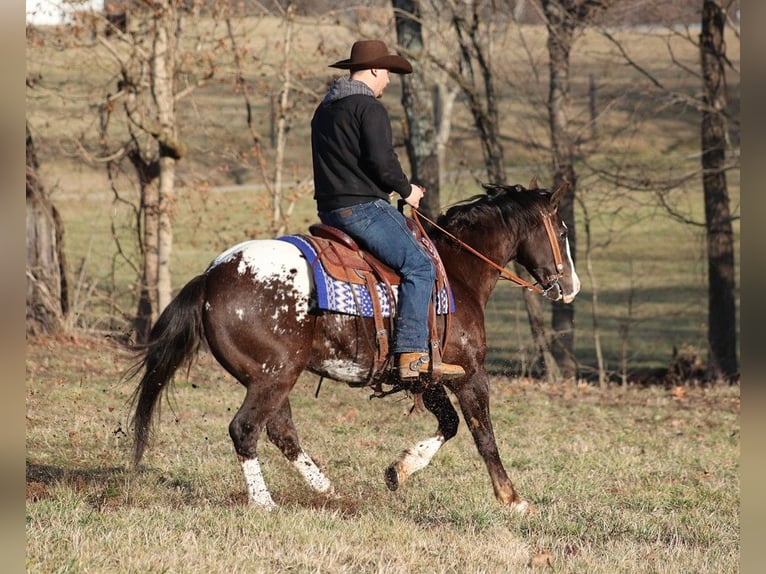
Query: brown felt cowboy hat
368	54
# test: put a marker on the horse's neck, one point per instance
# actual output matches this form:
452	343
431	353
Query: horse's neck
467	272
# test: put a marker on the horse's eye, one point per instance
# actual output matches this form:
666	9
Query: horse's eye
563	235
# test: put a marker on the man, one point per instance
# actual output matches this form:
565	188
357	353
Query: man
356	171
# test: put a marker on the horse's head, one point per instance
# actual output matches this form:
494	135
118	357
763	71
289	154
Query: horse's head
513	222
545	252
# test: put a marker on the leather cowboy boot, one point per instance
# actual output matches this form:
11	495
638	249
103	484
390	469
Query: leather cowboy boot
411	365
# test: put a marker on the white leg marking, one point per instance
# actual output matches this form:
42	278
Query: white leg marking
313	475
522	507
257	492
416	458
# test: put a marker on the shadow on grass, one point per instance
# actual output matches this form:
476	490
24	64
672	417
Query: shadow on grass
42	478
104	488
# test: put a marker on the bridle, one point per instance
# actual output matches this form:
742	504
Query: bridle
553	280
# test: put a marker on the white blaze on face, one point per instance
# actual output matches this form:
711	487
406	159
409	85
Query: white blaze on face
269	262
569	297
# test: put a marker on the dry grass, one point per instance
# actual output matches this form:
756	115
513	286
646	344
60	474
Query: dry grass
623	479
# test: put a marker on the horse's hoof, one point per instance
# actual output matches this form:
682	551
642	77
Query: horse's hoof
522	507
267	506
392	478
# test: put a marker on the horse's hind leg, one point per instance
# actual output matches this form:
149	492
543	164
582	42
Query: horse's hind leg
417	457
261	402
244	430
281	431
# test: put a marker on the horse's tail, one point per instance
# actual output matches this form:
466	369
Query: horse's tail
174	340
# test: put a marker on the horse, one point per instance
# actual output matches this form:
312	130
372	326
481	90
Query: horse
253	309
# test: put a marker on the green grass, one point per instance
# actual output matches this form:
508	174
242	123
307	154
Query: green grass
623	479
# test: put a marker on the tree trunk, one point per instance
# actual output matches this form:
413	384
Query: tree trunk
560	35
282	125
163	89
722	331
475	52
444	101
417	101
149	233
47	297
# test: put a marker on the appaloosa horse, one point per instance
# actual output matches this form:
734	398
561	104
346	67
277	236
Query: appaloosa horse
254	307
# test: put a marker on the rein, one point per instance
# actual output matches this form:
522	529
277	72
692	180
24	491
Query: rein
504	273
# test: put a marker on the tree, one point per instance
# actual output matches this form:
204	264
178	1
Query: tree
149	93
722	327
283	111
422	141
717	157
47	293
563	18
473	26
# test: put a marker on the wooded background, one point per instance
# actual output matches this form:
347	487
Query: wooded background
634	104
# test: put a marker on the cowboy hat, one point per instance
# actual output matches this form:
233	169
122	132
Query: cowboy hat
368	54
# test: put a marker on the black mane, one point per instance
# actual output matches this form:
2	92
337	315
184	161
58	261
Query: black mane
507	205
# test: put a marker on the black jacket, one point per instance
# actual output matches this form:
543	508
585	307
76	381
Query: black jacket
352	150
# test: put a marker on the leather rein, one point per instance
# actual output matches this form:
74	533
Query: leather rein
504	273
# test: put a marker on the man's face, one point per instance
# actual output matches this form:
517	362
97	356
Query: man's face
382	80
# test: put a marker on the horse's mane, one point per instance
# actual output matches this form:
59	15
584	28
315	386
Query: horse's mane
509	205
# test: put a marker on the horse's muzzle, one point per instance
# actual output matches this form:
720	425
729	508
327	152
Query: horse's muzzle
553	291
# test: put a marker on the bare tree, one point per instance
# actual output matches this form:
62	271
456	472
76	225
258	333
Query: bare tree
148	65
282	122
284	109
473	23
47	293
563	19
417	101
722	326
718	156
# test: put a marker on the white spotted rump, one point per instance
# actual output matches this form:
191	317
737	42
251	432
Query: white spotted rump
267	261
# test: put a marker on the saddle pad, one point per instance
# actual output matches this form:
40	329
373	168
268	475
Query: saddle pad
343	297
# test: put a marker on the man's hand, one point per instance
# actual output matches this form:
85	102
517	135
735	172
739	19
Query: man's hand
416	194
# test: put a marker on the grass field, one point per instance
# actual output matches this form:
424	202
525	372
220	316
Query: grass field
623	479
651	278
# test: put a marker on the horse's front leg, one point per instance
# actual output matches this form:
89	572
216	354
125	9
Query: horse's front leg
473	396
415	458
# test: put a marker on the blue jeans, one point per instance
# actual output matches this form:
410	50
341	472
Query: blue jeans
379	228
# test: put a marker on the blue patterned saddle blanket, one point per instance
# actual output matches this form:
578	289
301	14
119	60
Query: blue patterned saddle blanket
353	297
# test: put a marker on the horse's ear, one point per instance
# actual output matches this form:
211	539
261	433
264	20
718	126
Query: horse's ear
559	193
533	183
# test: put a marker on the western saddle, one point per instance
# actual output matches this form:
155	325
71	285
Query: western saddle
343	259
